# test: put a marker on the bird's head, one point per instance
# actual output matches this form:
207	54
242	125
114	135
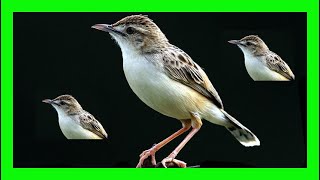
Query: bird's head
135	33
251	44
64	103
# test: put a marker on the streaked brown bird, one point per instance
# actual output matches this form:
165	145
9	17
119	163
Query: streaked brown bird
76	123
166	79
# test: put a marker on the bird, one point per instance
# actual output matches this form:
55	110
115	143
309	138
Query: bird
74	122
167	80
261	63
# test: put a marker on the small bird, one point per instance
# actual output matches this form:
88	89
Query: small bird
261	63
166	79
76	123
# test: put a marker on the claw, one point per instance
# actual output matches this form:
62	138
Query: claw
179	163
144	156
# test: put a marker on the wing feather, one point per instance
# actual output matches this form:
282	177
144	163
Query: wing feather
179	66
275	63
88	122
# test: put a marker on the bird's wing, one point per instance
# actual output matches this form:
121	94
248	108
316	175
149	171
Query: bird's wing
179	66
275	63
90	123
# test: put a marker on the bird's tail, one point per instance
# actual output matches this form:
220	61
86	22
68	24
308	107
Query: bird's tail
241	133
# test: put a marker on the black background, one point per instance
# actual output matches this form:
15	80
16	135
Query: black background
59	53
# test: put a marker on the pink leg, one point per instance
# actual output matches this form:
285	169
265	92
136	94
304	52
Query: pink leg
196	124
151	152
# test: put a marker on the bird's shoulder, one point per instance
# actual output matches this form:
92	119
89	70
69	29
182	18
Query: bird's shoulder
277	64
89	122
180	67
86	117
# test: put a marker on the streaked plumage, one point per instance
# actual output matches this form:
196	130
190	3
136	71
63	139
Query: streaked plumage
261	63
76	123
166	79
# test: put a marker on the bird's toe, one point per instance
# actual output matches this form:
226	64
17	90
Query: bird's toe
147	158
170	162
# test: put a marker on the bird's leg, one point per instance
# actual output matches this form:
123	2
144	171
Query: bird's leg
174	153
186	124
196	125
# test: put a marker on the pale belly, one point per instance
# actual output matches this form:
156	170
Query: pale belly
156	90
72	130
258	71
165	95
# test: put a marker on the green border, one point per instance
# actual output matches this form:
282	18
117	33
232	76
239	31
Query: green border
10	6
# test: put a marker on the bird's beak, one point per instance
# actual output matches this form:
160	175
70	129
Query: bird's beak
48	101
236	42
107	28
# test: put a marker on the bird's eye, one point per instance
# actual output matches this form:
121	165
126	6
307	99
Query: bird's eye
62	103
130	30
249	43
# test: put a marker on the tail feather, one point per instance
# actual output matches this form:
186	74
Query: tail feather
241	133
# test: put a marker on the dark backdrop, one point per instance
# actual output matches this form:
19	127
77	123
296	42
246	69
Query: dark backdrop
59	53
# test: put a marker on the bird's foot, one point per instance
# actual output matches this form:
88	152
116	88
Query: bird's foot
169	160
150	153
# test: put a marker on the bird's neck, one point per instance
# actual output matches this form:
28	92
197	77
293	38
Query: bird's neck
73	111
260	52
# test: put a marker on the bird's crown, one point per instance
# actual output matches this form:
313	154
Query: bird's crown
253	38
142	20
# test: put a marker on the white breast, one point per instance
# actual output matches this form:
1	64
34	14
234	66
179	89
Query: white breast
156	89
72	130
163	94
259	71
